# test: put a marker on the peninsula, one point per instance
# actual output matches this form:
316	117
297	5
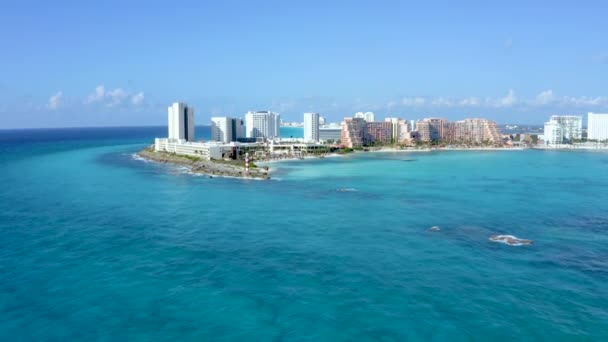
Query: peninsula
217	168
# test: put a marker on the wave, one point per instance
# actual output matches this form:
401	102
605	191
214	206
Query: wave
137	157
510	240
346	190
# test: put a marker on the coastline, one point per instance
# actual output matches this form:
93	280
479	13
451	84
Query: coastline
210	168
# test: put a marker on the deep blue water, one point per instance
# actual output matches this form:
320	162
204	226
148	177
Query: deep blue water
96	245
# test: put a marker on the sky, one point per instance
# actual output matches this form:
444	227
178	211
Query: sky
122	63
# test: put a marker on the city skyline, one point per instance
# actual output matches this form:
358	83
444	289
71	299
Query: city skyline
77	65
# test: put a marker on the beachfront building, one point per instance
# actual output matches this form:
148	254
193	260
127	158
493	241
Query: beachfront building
354	132
401	129
180	122
432	129
330	134
226	129
311	127
570	128
553	133
473	131
380	132
203	150
367	116
597	127
262	124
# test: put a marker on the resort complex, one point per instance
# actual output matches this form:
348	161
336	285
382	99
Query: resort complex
258	135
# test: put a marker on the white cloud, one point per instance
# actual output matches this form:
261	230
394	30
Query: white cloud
97	95
508	100
413	101
545	97
55	100
585	101
138	98
114	97
469	102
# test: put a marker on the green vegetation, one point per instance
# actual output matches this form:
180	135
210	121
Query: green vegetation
192	158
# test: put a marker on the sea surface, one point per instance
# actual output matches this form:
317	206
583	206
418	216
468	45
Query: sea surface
98	245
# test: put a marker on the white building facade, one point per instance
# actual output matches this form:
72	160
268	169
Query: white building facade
262	124
572	126
311	127
181	122
226	129
367	116
553	133
597	127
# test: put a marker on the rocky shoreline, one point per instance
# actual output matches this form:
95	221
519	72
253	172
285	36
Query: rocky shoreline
217	168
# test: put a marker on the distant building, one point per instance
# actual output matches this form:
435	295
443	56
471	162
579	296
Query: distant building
330	133
181	122
311	127
262	124
322	121
226	129
367	116
432	129
354	132
473	131
571	128
396	127
597	126
380	132
553	133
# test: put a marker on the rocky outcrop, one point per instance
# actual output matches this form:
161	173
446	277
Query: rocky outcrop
218	168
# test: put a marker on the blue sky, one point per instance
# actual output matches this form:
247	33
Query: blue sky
71	63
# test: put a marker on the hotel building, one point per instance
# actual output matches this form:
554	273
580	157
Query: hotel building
311	127
330	133
473	131
432	129
226	129
354	132
262	124
181	122
553	133
380	132
570	128
597	127
367	116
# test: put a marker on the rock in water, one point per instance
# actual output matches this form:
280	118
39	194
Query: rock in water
510	240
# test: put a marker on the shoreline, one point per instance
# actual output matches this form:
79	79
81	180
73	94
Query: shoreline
211	168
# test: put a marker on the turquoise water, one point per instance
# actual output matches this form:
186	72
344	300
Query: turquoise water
96	245
292	132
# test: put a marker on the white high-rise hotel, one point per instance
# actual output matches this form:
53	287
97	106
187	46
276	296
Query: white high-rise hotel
181	122
597	127
226	129
311	127
367	116
563	129
262	124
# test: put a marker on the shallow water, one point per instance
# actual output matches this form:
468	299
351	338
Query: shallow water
98	245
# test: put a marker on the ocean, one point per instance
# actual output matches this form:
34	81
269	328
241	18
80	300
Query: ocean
98	245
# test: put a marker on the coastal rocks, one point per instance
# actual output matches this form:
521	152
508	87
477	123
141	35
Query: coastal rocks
212	168
510	240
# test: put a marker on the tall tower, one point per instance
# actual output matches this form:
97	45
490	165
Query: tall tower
311	127
181	122
263	124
